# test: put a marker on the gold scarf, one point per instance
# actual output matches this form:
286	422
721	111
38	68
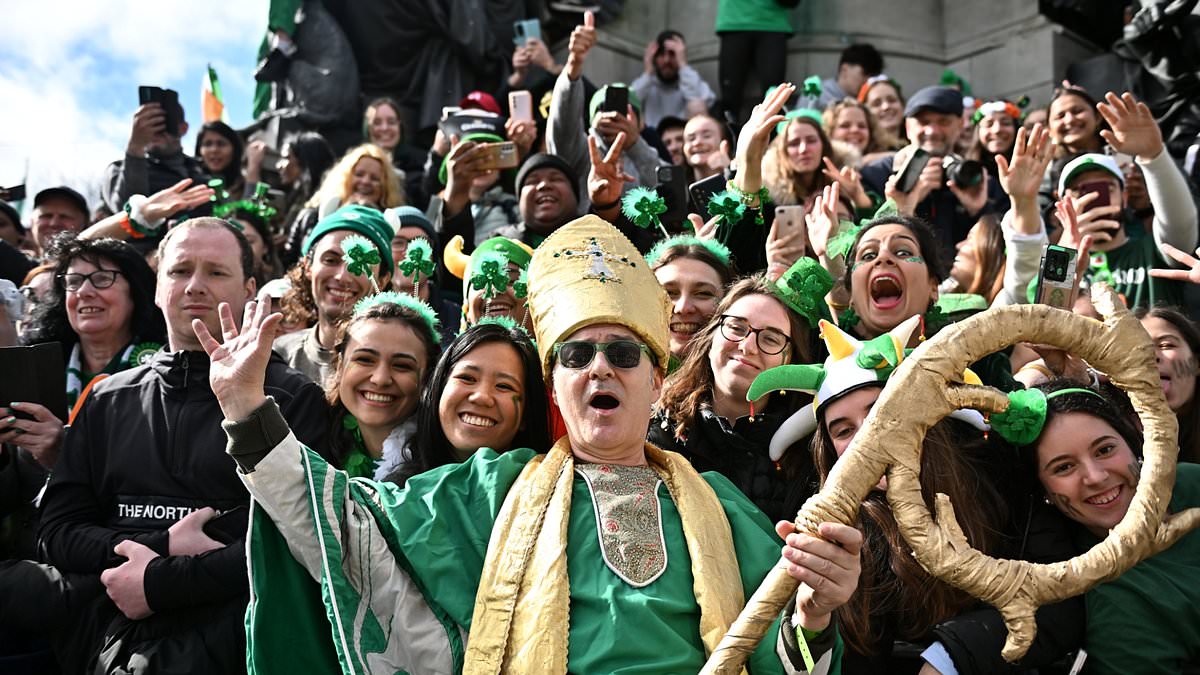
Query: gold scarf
520	623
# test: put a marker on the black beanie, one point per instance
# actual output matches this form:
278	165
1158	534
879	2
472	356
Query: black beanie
543	160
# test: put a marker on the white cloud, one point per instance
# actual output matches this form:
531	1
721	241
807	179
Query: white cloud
69	72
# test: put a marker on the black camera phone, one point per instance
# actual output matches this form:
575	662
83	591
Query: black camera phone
910	173
672	188
702	190
13	194
616	99
169	100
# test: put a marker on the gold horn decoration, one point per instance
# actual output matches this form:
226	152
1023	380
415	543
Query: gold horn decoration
891	439
453	257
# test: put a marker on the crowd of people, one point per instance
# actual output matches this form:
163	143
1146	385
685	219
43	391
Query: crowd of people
546	396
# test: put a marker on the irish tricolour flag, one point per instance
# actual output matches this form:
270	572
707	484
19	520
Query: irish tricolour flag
211	101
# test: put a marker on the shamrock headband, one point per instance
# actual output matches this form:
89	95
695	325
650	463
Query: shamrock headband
716	248
418	260
1023	421
1013	110
852	364
255	207
422	310
487	268
803	288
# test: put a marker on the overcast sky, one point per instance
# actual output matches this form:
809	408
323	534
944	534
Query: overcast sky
70	69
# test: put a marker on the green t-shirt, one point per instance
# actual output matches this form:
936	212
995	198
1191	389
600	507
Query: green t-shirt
444	519
1130	266
762	16
1147	621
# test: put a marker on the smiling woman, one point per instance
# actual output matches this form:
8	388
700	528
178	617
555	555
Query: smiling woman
484	392
703	413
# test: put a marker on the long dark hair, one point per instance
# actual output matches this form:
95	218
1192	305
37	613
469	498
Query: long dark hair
315	156
692	384
231	174
340	439
1189	421
431	447
925	239
49	321
892	581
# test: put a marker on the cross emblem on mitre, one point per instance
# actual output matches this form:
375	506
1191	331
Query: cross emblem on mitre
598	260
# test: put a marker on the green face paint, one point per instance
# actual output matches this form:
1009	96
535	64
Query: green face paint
915	259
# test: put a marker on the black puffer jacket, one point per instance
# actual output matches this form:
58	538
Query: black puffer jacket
739	452
146	449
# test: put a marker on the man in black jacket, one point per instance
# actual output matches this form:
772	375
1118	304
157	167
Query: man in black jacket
142	469
154	159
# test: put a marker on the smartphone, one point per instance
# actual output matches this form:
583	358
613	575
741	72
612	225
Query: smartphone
910	173
703	190
169	100
499	156
673	189
228	526
791	216
526	30
520	105
448	110
13	194
1058	282
616	99
1102	190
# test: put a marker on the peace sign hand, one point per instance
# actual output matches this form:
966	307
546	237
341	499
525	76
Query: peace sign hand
239	365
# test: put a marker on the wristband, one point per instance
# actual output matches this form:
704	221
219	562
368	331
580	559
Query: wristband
1034	365
128	228
606	207
137	221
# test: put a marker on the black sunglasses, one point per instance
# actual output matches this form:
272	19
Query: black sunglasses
578	354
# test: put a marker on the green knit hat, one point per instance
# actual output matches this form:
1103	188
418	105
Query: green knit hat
361	219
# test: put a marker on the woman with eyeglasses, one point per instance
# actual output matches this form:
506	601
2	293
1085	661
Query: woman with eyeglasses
703	413
101	310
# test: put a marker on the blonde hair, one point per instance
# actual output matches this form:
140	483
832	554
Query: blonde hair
879	140
339	179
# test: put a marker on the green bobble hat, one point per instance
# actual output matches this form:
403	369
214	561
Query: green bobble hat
363	220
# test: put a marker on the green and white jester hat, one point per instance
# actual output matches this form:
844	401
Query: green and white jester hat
852	364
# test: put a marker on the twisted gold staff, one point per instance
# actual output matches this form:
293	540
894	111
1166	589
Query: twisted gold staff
891	439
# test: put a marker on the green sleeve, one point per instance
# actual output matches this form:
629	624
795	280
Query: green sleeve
442	521
758	549
281	15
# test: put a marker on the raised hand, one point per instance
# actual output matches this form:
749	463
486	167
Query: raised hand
179	197
756	133
1098	222
583	38
849	179
1022	176
1190	275
149	121
1133	129
827	569
822	220
607	177
239	363
704	230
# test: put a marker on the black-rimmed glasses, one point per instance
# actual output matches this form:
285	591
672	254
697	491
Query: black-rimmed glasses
770	340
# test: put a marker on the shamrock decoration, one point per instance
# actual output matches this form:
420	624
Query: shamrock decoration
840	244
726	205
643	206
357	463
1022	422
848	318
360	254
256	206
521	285
143	353
490	274
812	86
418	260
803	288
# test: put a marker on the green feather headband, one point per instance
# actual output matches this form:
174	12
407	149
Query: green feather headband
422	310
643	206
841	244
508	323
719	250
418	260
1023	421
490	273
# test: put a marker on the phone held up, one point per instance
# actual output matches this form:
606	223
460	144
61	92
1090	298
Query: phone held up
520	105
525	30
169	100
1058	282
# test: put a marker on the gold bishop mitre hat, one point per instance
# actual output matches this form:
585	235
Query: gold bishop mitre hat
587	273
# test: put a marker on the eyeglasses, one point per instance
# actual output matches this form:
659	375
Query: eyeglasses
620	353
99	279
770	340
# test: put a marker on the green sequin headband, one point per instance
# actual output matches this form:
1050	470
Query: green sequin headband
1023	421
256	206
422	310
